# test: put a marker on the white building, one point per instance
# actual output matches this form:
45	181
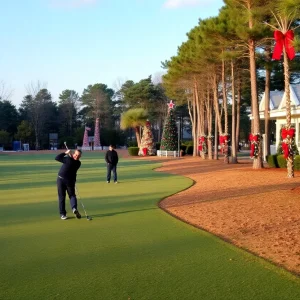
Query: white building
278	112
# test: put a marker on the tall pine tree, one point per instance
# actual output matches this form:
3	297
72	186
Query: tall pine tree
170	135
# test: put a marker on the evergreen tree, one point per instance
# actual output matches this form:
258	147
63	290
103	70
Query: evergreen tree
170	135
147	141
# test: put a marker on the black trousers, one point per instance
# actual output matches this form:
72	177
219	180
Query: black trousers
64	187
112	168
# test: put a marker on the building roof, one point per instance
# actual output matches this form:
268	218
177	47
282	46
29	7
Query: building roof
277	99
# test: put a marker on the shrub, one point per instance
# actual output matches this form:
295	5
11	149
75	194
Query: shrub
272	161
278	161
132	143
297	162
281	161
183	147
188	143
133	151
189	149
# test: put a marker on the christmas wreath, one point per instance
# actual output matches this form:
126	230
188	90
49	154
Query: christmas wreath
287	141
254	147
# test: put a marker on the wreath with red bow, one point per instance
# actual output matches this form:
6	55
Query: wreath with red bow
254	144
287	140
223	141
202	144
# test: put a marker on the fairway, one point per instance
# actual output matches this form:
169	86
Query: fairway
130	250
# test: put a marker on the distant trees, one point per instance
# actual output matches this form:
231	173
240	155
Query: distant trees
145	94
215	80
68	105
25	132
9	117
5	138
39	110
97	100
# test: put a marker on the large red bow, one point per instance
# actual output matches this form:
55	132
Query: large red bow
287	132
284	39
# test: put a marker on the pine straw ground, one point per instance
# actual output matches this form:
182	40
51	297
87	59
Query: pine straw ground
257	210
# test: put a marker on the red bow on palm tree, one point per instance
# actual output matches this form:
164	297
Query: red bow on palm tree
284	40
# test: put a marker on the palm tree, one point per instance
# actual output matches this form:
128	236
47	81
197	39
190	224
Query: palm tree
134	118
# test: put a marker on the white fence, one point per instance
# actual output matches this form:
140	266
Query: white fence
167	153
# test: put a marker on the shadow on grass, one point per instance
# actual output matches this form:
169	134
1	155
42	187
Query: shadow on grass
120	212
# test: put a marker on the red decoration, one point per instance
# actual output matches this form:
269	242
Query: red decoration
284	40
287	136
253	138
171	105
287	133
285	149
202	143
221	139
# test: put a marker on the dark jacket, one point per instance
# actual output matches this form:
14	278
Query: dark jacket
111	157
68	170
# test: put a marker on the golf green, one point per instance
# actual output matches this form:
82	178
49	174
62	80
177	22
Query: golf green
130	250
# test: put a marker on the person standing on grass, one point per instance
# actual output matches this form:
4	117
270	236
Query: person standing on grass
112	159
66	181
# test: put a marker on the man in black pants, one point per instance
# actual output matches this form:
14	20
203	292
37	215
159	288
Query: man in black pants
66	181
111	158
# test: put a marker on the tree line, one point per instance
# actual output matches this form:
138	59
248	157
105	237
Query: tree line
38	114
227	62
215	80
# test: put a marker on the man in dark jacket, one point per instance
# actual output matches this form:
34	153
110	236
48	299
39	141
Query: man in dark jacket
111	158
66	181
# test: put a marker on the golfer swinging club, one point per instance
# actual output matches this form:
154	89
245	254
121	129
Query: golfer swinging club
66	181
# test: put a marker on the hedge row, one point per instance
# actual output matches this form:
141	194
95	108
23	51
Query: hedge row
278	161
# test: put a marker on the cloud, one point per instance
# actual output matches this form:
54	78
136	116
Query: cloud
72	3
182	3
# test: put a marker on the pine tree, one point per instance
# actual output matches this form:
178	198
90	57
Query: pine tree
169	138
147	141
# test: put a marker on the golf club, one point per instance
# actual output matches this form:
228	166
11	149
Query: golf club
88	217
77	194
65	143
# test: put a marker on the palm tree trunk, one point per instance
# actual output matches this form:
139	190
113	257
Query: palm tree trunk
224	91
238	111
267	113
233	137
195	150
209	124
138	136
257	161
290	159
198	115
216	153
267	101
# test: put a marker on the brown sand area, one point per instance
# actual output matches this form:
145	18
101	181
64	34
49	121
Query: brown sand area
257	210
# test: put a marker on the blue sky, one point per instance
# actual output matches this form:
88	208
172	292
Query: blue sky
69	44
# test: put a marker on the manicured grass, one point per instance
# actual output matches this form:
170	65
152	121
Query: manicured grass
130	250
